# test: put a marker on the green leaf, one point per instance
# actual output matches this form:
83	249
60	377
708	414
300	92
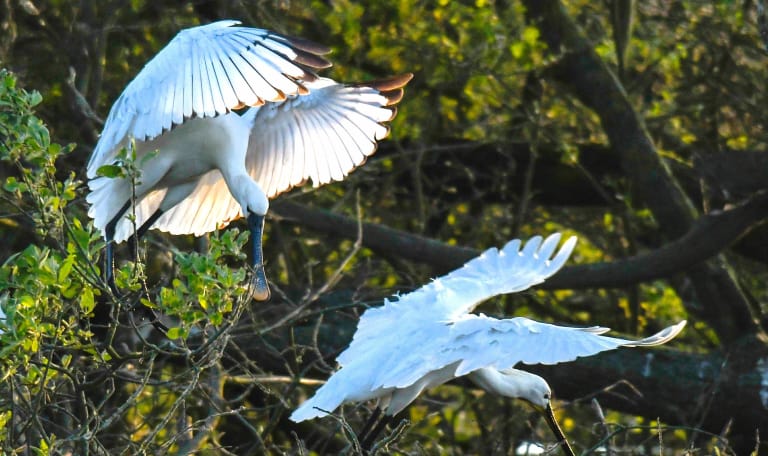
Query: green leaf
11	184
175	332
530	35
66	268
35	98
110	171
87	303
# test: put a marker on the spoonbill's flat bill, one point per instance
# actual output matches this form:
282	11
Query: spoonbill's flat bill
202	165
427	337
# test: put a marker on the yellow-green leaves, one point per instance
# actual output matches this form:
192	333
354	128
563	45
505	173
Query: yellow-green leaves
87	303
208	287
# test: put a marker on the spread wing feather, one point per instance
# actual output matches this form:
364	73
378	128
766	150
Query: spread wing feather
290	141
209	206
321	136
494	272
479	341
204	72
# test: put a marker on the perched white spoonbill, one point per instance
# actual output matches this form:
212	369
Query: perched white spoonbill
428	337
211	165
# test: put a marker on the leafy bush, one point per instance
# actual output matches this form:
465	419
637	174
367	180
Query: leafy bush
76	364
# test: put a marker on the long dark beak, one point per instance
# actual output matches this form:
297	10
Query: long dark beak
561	440
260	284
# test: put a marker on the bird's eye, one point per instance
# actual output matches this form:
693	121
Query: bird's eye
546	396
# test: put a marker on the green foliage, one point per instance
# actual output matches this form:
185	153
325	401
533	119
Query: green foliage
208	286
54	345
21	130
43	289
26	144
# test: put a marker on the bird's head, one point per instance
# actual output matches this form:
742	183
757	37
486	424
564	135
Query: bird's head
514	383
524	385
537	393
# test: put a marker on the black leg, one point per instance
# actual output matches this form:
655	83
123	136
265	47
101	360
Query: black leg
109	255
261	287
132	243
363	434
109	251
134	239
369	439
109	266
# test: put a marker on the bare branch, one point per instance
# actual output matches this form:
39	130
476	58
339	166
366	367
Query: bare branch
710	235
82	104
377	237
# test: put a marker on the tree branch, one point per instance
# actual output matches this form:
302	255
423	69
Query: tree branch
385	240
709	236
584	73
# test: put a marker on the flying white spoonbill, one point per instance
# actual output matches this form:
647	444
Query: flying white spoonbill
201	165
428	337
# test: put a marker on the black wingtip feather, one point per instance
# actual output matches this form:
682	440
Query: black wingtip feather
390	88
311	60
393	96
390	84
307	45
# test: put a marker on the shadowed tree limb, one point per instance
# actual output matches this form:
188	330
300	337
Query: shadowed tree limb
708	236
380	238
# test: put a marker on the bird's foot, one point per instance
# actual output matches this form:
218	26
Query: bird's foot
259	285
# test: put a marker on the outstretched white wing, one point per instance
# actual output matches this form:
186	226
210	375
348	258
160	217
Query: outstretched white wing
479	341
451	296
334	126
401	342
203	72
476	342
209	206
322	135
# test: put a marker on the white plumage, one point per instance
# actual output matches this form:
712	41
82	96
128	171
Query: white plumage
428	337
213	165
203	165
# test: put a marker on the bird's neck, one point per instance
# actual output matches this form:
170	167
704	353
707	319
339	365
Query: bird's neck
509	383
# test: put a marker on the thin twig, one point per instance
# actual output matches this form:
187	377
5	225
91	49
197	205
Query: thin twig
332	280
606	430
249	379
81	102
527	194
393	436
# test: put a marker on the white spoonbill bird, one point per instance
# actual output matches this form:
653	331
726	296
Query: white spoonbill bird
202	165
428	337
